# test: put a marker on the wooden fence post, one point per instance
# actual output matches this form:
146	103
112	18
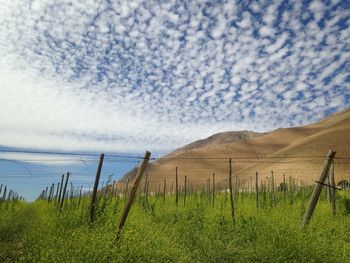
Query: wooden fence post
81	189
284	187
4	193
209	193
185	190
230	189
64	192
332	190
145	190
60	194
176	188
273	197
57	191
328	190
256	190
51	193
317	190
250	187
45	195
94	192
133	192
213	201
164	189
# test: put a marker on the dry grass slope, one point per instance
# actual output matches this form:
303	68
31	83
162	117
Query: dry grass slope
197	162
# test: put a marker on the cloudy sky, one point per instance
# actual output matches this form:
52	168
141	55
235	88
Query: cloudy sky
126	76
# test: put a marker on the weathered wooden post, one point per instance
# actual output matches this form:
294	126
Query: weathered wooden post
230	189
51	193
317	190
164	189
256	190
284	187
213	201
239	187
60	193
145	190
208	186
57	192
137	181
45	195
64	192
328	190
176	188
273	197
250	187
81	189
94	191
263	191
332	189
71	192
4	194
185	190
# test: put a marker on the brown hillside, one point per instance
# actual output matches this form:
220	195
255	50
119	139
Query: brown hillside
334	133
219	138
200	159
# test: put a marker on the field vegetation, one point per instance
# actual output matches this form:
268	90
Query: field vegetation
193	231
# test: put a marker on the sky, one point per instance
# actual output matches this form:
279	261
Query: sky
129	76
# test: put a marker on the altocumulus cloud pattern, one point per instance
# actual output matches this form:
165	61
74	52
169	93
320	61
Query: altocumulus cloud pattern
130	75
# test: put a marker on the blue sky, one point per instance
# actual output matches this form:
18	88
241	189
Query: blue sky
126	76
29	174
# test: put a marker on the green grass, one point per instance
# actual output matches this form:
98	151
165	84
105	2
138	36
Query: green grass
160	232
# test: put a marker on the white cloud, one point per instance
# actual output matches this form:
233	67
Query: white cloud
235	80
266	31
246	22
317	8
255	7
84	77
220	27
45	159
280	41
40	114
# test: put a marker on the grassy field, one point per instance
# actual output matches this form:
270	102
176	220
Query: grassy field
157	231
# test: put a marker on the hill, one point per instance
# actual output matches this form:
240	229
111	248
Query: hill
297	152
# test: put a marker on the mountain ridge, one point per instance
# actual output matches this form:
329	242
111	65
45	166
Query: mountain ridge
198	160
